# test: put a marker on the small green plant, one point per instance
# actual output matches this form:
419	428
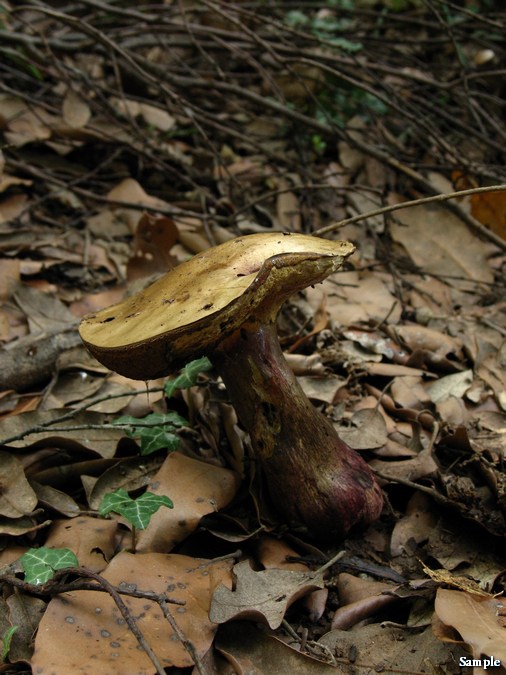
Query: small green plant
159	430
327	29
7	640
40	564
155	431
188	376
138	511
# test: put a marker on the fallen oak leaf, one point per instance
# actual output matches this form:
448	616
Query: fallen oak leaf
264	595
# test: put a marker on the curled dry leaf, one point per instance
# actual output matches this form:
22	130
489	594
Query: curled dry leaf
86	625
359	599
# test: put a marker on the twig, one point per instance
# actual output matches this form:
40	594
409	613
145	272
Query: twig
481	229
55	587
43	426
51	588
190	648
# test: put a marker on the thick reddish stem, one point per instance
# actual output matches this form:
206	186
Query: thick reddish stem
313	477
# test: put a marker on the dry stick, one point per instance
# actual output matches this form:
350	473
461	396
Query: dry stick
190	648
481	229
43	426
158	75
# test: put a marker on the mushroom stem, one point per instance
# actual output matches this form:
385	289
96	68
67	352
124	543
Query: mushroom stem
312	476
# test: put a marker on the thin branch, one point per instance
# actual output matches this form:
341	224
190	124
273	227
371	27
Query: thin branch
481	229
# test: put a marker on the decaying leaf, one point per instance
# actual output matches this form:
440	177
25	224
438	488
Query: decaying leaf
263	595
196	488
437	240
86	627
91	539
17	498
252	652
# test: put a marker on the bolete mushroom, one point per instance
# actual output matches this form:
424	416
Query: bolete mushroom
223	303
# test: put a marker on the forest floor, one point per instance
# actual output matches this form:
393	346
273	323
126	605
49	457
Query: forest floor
134	136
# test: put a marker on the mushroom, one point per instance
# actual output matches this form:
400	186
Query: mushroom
223	303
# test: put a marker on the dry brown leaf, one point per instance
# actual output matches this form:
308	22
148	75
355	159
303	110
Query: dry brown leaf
91	539
452	385
409	392
416	526
262	596
23	124
156	117
363	296
129	190
490	209
287	208
349	615
273	554
196	488
417	337
43	311
13	206
306	364
101	441
368	430
76	112
493	371
17	497
154	238
465	584
321	388
58	501
83	631
480	622
439	242
377	343
9	277
16	527
408	469
359	599
132	473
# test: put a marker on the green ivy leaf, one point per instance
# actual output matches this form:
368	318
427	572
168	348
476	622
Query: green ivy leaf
40	564
156	431
138	511
188	376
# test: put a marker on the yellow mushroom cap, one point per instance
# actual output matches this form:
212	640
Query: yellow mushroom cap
191	309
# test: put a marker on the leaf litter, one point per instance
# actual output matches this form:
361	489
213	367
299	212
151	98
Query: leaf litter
111	176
